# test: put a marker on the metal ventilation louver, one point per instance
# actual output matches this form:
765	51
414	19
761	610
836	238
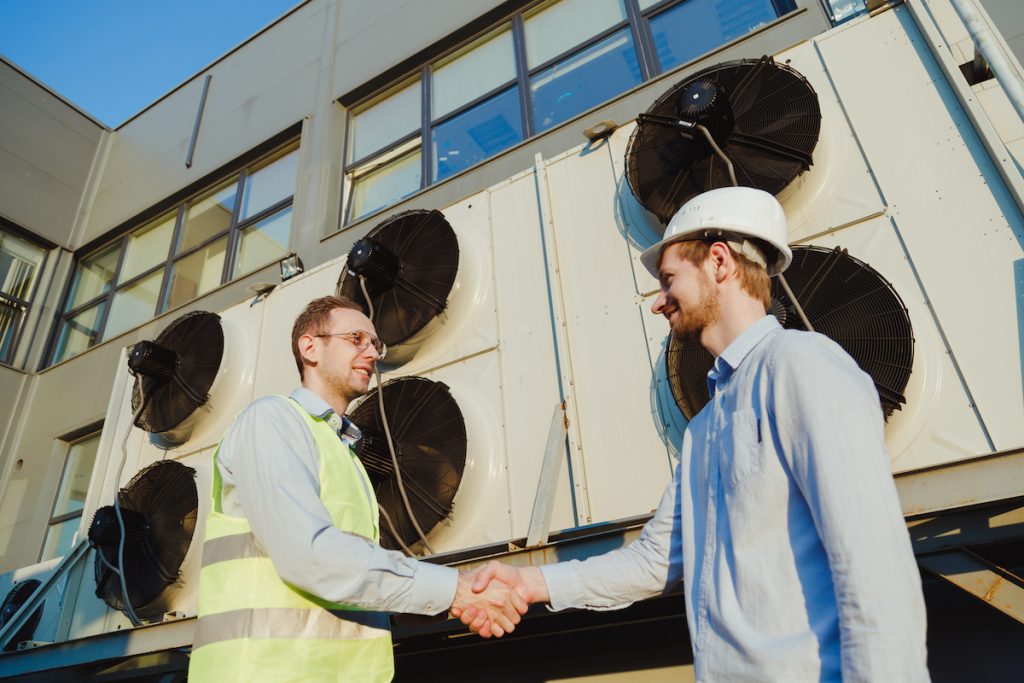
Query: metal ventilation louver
173	374
429	434
764	116
409	263
159	507
845	299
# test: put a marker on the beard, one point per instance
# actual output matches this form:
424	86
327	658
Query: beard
692	321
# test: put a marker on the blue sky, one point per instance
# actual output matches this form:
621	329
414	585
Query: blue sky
112	58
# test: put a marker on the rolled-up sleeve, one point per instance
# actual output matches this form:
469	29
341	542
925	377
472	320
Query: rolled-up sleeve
648	566
269	459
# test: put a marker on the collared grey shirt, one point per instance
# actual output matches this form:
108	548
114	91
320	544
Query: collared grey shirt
784	518
270	469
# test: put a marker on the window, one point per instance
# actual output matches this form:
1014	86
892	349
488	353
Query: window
230	229
545	65
67	507
20	263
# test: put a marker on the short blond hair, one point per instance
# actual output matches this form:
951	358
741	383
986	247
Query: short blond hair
753	278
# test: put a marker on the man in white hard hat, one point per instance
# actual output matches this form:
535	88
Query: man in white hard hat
782	514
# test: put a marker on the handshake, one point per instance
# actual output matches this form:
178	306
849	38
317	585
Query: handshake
491	600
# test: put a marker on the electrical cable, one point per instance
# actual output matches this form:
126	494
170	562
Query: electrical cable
134	618
391	445
394	531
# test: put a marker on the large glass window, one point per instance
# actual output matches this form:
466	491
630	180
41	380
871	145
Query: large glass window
225	231
20	263
547	64
67	506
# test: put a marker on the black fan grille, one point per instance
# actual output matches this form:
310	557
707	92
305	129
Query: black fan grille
198	342
777	121
846	300
15	598
428	250
429	434
165	493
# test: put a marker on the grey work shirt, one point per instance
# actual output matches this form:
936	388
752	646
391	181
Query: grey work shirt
270	470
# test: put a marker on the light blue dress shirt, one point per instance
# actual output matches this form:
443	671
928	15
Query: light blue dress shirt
784	518
270	468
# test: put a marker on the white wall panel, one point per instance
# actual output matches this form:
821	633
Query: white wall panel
945	196
608	351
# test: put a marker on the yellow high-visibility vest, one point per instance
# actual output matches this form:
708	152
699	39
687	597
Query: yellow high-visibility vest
253	626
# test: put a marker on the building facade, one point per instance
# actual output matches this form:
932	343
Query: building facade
342	114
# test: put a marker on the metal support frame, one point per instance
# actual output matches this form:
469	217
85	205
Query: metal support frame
993	585
544	501
66	565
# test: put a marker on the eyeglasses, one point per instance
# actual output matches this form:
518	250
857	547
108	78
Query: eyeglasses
361	340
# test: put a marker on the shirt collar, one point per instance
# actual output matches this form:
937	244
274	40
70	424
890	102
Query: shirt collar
317	407
740	348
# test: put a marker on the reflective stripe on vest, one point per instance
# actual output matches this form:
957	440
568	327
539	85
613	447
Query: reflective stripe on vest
247	612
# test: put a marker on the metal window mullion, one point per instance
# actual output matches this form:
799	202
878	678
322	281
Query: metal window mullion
643	41
229	255
522	74
165	284
266	213
350	168
490	94
101	328
580	47
425	110
63	517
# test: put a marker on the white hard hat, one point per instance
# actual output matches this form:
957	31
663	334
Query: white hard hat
736	215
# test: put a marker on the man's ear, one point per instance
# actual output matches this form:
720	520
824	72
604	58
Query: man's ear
721	261
308	349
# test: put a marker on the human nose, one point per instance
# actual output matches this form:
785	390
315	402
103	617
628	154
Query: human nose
659	304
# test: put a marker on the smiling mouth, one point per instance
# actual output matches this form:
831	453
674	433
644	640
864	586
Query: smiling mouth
363	371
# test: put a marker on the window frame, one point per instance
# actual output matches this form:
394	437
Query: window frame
69	442
178	206
637	21
22	307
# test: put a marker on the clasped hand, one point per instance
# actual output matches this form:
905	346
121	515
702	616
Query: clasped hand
491	600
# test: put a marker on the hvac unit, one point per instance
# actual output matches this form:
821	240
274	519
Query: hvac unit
141	541
18	587
428	278
449	455
765	117
173	399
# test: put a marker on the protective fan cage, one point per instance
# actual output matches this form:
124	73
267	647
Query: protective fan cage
163	499
13	601
774	127
429	435
409	262
844	299
170	394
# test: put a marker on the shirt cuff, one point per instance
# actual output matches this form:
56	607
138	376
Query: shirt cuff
433	588
565	586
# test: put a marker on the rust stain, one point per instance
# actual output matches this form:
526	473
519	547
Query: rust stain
990	594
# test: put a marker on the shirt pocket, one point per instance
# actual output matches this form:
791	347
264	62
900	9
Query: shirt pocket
741	455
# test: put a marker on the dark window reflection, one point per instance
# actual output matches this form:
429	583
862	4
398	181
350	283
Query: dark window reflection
692	28
584	80
478	133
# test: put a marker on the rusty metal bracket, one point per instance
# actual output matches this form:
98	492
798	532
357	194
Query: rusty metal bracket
991	584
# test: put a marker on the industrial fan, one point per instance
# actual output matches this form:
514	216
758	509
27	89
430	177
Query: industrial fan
763	116
409	263
159	507
845	299
15	598
173	375
429	435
